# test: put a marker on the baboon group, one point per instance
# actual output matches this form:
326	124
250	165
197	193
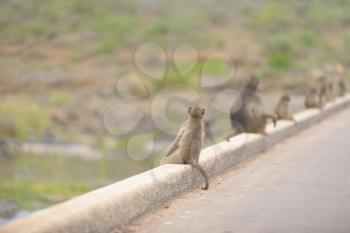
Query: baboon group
250	116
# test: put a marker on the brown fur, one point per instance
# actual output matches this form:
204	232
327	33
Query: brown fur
283	110
250	117
188	143
313	99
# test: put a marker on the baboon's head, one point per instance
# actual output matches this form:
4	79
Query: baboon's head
196	112
253	84
285	98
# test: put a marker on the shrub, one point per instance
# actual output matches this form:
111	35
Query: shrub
280	61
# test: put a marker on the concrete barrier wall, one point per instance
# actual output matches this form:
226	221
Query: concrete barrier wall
106	208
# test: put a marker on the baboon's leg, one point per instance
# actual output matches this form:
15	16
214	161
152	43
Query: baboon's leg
262	127
174	158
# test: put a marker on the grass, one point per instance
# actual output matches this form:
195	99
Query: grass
307	39
172	77
346	39
107	45
275	15
40	194
212	67
215	67
322	15
60	98
280	61
39	181
114	25
32	120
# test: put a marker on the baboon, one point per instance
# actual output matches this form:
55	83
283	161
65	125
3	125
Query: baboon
338	86
340	80
314	99
208	130
342	87
332	88
283	109
250	116
188	143
326	89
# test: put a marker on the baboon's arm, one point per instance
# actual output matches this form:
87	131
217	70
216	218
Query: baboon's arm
176	143
272	116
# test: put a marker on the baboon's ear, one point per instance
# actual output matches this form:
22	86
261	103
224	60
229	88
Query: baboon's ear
203	111
189	109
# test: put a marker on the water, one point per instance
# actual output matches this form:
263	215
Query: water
35	182
19	214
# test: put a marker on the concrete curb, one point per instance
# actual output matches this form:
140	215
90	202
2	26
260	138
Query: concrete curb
106	208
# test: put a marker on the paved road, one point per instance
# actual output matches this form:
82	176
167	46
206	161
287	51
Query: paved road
301	185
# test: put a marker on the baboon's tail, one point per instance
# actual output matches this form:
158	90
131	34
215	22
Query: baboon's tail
274	120
204	174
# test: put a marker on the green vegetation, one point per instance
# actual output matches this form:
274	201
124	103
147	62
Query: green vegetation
321	16
280	61
275	15
307	39
33	195
41	181
30	120
36	182
107	45
216	67
60	98
172	77
107	26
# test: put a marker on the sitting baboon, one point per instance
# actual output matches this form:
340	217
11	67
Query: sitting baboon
188	143
283	109
250	115
324	90
339	69
332	88
314	99
342	87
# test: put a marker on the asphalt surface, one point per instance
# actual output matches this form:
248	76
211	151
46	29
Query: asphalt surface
301	185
